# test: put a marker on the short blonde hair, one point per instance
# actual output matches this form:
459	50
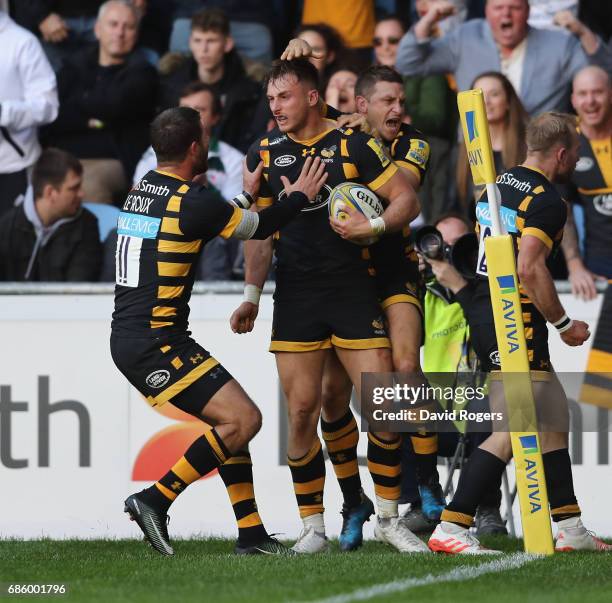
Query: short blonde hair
550	129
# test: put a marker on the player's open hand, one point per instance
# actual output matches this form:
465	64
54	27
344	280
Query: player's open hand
311	179
356	120
577	334
300	48
251	180
243	319
353	227
582	280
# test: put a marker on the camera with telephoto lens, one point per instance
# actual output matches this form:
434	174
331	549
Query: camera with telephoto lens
463	255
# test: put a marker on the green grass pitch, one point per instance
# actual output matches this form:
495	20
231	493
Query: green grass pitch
206	570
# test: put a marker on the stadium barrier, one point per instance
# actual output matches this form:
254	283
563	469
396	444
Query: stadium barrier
75	437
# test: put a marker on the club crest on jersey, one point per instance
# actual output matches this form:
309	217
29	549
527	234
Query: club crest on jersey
158	378
285	160
329	153
603	204
584	164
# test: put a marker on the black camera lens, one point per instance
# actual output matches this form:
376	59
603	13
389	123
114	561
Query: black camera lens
429	242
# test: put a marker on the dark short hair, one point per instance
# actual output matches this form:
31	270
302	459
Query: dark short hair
300	68
211	19
392	17
195	87
52	168
172	133
372	75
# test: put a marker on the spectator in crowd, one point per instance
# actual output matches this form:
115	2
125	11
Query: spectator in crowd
387	35
214	61
107	99
539	63
50	237
64	26
28	99
463	9
340	90
250	22
354	21
328	50
224	175
591	185
431	105
507	123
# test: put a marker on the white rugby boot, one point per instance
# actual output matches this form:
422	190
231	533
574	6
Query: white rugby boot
456	540
311	541
394	532
573	536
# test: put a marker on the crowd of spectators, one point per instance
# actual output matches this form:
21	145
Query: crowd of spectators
88	76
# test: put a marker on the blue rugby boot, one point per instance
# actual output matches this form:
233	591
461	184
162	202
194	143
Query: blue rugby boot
351	536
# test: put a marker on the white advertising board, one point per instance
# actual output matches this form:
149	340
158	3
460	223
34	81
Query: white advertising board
74	434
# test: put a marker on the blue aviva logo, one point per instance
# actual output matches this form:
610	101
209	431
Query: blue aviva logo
529	444
506	283
470	120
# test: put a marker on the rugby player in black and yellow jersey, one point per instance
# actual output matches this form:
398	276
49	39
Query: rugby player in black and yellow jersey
380	102
165	222
534	214
591	184
325	297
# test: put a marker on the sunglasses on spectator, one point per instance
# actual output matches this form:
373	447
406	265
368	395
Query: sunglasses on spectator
381	41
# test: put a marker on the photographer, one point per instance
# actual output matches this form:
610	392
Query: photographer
450	309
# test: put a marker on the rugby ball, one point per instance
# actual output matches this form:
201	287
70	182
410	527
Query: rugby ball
358	197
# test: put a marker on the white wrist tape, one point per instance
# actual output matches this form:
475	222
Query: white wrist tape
243	200
378	225
252	293
563	324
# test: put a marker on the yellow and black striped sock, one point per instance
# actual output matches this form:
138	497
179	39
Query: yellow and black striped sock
341	439
425	446
477	475
308	474
205	454
384	463
560	485
237	475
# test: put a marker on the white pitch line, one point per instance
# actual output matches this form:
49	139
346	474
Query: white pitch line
459	574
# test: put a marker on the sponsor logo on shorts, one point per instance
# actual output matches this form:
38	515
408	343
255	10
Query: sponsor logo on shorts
603	204
158	378
494	357
379	326
584	164
284	160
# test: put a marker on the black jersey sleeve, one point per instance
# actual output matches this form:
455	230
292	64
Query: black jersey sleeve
410	150
330	112
204	214
370	158
545	218
257	152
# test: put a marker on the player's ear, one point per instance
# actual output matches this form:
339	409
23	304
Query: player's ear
313	98
229	44
361	103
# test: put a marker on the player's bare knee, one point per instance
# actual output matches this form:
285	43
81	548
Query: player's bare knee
406	364
303	417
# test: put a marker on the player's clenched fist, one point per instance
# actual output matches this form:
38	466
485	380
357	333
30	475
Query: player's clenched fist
577	334
243	319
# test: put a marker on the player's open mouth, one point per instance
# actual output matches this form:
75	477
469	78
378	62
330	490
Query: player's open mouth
280	119
392	123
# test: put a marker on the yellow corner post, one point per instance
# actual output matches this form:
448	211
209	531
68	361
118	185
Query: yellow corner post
505	300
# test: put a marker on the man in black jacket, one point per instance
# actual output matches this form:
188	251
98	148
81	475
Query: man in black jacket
214	61
50	237
107	100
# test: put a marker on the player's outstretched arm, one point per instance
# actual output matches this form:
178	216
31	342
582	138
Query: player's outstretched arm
540	288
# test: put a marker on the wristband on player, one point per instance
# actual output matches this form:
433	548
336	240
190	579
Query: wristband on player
563	324
378	225
243	200
252	293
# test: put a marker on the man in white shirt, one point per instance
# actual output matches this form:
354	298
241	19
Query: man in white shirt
28	99
223	258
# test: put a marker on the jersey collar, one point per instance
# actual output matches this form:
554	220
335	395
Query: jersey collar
171	175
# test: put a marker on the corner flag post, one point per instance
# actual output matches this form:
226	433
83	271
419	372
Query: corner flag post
506	303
